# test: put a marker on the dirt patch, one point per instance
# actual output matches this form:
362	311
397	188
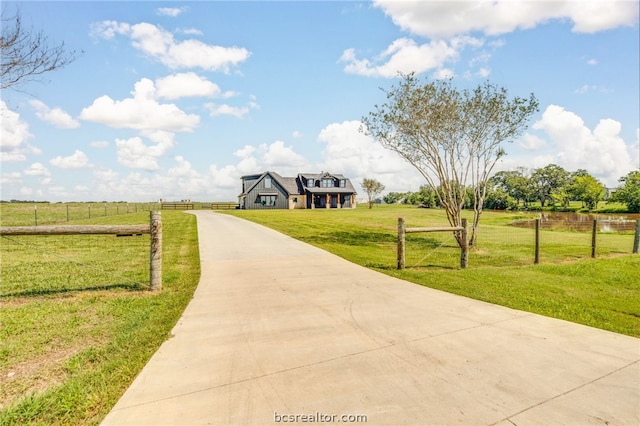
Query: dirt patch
34	376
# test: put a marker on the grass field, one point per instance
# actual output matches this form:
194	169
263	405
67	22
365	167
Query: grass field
568	284
70	347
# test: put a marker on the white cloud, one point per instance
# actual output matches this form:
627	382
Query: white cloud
182	169
141	112
591	88
356	155
484	72
403	55
77	160
11	178
185	84
245	152
170	11
55	116
227	179
14	134
443	73
296	134
281	157
37	169
592	62
190	31
602	151
531	142
446	19
135	154
276	157
109	29
225	109
160	45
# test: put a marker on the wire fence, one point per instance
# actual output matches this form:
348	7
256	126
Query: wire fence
34	214
53	264
515	245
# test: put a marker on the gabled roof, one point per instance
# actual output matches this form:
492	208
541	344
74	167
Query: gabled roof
289	184
318	176
298	185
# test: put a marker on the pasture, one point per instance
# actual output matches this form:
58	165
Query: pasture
77	322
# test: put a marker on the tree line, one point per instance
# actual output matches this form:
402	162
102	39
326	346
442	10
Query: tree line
551	186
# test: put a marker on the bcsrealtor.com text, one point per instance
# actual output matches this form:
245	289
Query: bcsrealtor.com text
318	417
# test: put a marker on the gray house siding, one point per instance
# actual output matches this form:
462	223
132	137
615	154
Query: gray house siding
259	197
307	190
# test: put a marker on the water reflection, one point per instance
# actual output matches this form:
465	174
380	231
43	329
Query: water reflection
571	221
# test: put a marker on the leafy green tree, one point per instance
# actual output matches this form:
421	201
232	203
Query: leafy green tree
453	138
546	180
498	199
629	192
393	197
516	184
373	188
587	189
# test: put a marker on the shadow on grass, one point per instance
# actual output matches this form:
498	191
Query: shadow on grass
57	291
358	238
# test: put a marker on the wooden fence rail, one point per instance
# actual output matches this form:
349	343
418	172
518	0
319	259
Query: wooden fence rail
177	206
154	229
225	206
402	230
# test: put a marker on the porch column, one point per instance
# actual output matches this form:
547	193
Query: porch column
313	201
328	203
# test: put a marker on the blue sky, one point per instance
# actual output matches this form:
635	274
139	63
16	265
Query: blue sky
177	100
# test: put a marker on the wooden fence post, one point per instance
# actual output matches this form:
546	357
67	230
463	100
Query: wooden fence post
464	250
594	232
401	243
156	251
536	250
636	238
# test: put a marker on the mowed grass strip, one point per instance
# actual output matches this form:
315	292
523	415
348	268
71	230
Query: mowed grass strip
567	284
69	351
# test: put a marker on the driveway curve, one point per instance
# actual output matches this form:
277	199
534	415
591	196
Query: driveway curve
279	331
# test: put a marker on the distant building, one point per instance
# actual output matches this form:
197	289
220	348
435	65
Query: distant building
269	190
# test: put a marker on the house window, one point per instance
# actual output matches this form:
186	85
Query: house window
267	200
343	183
327	183
267	182
311	182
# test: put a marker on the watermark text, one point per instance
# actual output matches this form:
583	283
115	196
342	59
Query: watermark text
318	417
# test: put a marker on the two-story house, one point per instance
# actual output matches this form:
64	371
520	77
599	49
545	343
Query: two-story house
324	190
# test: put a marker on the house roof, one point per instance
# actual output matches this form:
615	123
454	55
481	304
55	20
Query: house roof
289	184
348	188
298	185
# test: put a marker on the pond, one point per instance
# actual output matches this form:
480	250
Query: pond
571	221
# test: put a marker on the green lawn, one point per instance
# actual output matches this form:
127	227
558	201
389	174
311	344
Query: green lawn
567	284
69	347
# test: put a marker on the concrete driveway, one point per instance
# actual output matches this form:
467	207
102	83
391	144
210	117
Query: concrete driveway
281	332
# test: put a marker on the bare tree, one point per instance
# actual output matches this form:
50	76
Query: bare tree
26	54
373	188
453	138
